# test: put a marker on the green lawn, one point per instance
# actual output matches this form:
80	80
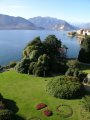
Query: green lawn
27	91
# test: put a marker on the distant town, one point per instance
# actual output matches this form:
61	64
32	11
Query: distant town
80	33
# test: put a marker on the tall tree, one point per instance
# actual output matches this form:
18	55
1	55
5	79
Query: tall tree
84	54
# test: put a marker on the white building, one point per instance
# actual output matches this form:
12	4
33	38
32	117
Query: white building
83	32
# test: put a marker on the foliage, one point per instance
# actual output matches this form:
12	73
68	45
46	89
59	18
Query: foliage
6	115
1	97
73	64
2	105
84	54
40	106
42	66
86	102
82	76
32	67
65	87
34	55
12	64
74	70
23	66
1	68
45	57
47	112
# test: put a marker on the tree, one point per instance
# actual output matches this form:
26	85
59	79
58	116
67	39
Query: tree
42	66
23	66
73	68
44	57
73	64
84	53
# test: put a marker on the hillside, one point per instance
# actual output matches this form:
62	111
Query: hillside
51	23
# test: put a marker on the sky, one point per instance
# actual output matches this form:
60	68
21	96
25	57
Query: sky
69	10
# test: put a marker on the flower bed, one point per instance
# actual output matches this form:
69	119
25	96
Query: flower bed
40	106
47	112
64	111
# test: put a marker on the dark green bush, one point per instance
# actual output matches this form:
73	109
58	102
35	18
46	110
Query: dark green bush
69	72
86	102
23	66
31	67
82	76
2	105
6	115
12	64
65	87
1	97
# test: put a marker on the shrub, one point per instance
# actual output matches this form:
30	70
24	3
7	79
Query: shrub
86	102
69	72
23	66
82	76
2	105
47	112
31	67
1	97
6	115
40	106
73	64
34	55
12	64
65	87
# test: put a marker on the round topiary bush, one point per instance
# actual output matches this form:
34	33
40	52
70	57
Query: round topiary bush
65	87
6	115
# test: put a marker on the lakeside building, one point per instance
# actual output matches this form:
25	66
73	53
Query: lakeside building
83	32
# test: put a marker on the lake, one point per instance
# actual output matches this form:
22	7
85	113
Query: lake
12	42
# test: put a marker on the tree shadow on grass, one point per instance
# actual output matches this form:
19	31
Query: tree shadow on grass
18	117
11	105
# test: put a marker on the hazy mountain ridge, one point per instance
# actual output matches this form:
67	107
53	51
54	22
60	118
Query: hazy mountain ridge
10	22
82	25
51	23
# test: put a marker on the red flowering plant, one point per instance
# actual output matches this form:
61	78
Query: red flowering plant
40	106
48	112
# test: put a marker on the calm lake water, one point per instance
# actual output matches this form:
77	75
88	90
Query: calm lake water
12	42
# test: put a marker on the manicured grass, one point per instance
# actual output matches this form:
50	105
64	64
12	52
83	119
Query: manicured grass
28	91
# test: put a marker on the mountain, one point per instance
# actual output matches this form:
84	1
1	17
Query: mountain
10	22
82	25
51	23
